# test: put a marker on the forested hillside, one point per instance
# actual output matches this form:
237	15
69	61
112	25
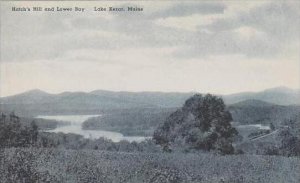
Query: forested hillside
131	122
258	112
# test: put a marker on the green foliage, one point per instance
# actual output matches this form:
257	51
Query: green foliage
202	123
266	114
281	142
21	166
272	127
258	133
13	134
91	166
294	124
130	122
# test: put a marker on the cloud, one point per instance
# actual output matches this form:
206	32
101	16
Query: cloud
258	31
189	23
200	46
247	33
197	29
190	8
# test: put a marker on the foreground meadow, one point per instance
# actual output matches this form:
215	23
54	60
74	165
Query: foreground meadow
61	165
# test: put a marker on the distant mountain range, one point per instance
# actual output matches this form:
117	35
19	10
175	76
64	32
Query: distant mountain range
252	103
40	102
279	95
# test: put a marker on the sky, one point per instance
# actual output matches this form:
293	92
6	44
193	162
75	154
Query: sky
209	46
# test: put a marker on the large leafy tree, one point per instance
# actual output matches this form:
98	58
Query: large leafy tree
203	123
14	134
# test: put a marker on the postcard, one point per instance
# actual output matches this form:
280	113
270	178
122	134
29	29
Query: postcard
150	91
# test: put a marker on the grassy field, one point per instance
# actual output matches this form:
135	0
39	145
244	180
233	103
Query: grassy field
87	166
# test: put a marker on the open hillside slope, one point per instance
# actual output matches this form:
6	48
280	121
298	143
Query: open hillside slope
89	166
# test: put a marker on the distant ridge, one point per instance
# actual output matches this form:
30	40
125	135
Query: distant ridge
38	100
282	89
28	97
252	103
36	92
278	95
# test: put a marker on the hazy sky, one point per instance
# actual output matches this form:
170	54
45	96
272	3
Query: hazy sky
217	47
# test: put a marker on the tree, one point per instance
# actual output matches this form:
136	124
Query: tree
14	134
33	132
272	127
288	143
203	123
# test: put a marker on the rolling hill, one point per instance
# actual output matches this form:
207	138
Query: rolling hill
260	112
39	102
279	96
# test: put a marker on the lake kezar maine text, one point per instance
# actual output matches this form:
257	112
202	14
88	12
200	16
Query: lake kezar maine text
78	9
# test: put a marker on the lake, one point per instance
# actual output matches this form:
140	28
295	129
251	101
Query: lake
73	124
258	126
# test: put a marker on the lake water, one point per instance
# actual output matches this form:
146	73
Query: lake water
73	124
258	126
